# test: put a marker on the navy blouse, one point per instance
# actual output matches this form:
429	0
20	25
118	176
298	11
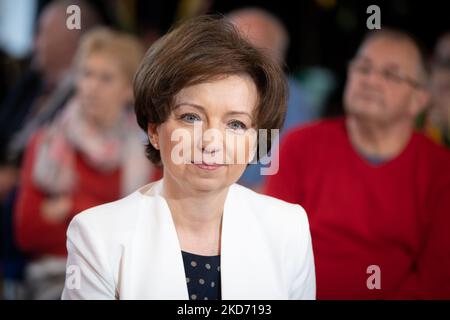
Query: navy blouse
202	276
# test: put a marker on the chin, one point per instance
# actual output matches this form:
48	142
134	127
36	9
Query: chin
204	186
366	111
195	179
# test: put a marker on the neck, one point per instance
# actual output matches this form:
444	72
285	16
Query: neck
106	125
197	217
378	140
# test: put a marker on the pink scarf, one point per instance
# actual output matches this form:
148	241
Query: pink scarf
121	147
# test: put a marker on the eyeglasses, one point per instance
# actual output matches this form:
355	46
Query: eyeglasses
365	69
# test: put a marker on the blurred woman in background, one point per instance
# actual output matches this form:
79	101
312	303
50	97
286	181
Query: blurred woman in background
90	155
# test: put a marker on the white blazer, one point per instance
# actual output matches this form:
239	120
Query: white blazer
128	249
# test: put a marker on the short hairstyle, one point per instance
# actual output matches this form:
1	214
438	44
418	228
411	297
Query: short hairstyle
124	48
400	35
199	50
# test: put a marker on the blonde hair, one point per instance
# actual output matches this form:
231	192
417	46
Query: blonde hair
124	48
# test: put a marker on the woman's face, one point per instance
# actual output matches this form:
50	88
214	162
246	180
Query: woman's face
208	139
103	89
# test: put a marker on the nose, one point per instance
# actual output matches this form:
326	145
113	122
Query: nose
90	84
210	139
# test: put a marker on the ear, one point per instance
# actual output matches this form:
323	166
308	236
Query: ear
420	100
153	136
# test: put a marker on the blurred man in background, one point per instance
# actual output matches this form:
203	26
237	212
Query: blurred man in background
376	192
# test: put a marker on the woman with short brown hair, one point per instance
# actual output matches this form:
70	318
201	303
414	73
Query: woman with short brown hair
202	94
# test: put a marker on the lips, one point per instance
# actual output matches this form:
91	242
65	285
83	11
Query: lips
208	166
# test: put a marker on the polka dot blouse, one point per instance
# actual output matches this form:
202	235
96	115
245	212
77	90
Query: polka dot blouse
202	276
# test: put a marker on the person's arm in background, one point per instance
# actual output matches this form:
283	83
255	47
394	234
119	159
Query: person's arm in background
40	222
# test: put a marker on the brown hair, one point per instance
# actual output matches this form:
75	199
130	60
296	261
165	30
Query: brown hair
199	50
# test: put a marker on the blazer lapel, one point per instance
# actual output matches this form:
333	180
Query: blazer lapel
158	263
248	270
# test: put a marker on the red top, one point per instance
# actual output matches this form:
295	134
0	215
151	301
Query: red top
395	215
39	237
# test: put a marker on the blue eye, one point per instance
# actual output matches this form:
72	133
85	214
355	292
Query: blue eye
237	125
190	117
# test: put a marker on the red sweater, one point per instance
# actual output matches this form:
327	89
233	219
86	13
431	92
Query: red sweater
395	215
34	234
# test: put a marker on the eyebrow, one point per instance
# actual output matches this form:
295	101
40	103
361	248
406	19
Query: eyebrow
202	109
394	66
